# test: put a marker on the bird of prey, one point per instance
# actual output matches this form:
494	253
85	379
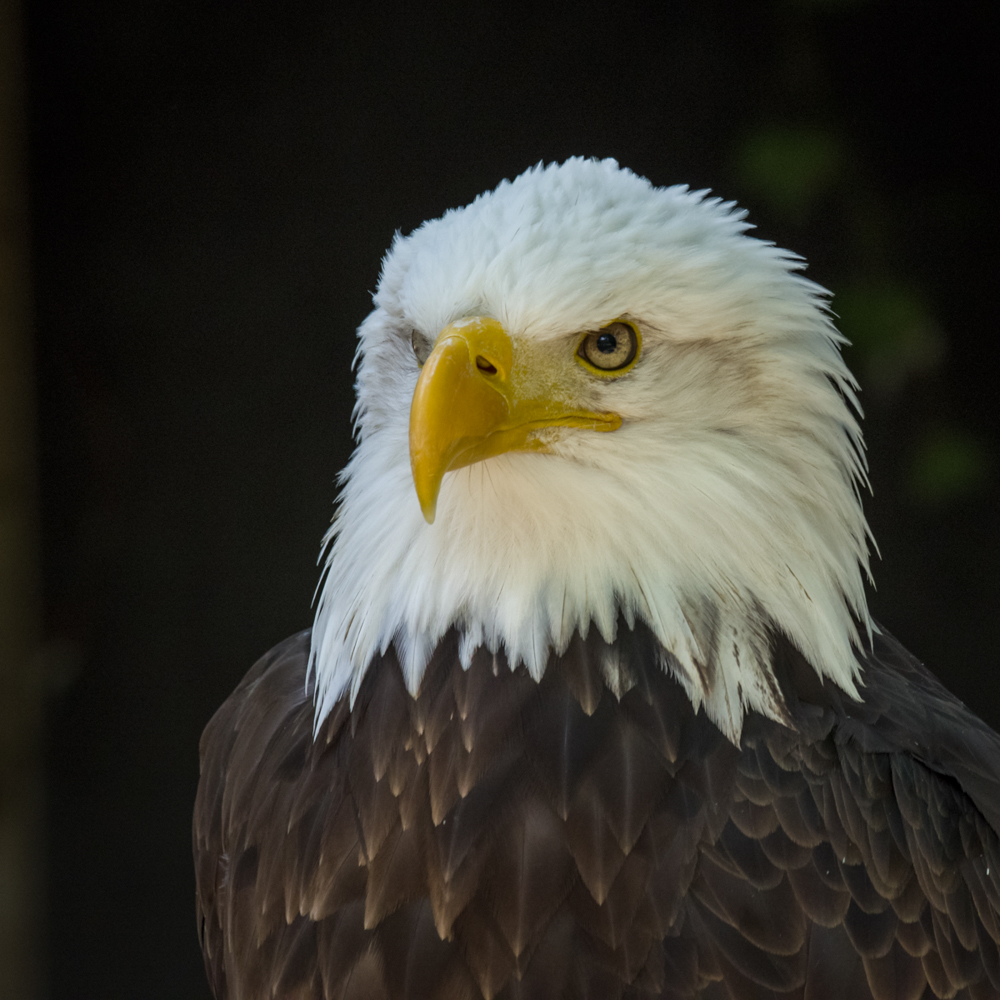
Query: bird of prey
592	706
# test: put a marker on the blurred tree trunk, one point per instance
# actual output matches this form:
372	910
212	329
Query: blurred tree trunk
20	690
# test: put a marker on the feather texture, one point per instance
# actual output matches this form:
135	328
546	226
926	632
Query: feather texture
739	430
495	836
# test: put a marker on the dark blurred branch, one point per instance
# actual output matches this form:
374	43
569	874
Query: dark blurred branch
20	692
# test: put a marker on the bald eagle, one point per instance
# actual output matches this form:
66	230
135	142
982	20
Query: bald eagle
592	705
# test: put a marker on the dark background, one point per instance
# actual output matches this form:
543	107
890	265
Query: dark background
213	186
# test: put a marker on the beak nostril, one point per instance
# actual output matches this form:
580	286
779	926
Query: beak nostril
485	366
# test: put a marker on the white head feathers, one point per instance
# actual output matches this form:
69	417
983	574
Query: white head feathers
726	506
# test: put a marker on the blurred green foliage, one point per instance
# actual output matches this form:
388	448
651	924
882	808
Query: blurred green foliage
891	330
790	168
948	463
805	163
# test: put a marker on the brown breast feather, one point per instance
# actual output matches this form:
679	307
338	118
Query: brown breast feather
501	838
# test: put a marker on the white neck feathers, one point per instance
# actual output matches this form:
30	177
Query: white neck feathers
724	508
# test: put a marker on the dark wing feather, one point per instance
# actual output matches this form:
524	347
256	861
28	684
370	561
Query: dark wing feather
500	838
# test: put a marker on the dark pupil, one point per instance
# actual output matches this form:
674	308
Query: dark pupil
607	343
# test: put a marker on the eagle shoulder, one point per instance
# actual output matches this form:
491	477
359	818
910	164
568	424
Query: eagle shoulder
496	836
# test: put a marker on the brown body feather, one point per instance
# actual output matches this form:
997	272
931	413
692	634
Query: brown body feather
501	838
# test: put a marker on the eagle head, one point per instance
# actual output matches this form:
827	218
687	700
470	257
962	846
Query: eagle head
586	402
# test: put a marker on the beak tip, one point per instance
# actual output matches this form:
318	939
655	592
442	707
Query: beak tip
428	498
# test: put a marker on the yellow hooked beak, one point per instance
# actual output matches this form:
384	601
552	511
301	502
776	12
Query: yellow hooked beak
467	407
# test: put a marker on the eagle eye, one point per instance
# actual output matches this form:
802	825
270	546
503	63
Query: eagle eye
610	350
422	347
